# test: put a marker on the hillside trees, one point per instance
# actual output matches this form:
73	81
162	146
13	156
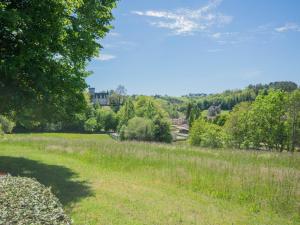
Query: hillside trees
237	125
271	122
44	49
145	109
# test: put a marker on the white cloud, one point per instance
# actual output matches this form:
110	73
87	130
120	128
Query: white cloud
288	27
105	57
188	21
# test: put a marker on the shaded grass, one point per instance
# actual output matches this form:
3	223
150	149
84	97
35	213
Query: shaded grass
142	183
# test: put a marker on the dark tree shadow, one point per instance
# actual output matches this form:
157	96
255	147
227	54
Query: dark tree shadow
59	178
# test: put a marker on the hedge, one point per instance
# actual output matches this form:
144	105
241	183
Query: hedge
26	201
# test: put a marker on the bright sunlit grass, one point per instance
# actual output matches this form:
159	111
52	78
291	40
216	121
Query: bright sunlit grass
102	181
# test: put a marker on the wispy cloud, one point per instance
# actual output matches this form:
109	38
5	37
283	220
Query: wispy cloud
105	57
288	27
188	21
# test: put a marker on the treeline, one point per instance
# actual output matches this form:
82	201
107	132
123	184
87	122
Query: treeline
271	122
141	118
228	99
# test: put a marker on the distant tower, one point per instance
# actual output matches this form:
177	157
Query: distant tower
92	91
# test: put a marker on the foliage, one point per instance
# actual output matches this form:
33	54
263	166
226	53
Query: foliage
117	97
45	46
220	119
161	130
126	113
147	107
140	129
90	125
25	201
206	134
193	112
237	125
7	125
106	119
270	122
294	120
267	120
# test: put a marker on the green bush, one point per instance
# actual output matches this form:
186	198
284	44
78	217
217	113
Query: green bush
140	129
26	201
207	134
90	125
106	119
6	124
162	130
1	131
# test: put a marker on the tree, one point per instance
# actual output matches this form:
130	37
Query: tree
117	97
237	125
126	113
44	49
162	130
140	129
206	134
106	119
90	125
193	112
267	120
147	107
294	119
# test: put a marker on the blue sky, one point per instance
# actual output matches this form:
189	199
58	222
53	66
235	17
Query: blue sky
177	47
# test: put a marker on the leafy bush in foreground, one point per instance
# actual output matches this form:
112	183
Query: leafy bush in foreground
26	201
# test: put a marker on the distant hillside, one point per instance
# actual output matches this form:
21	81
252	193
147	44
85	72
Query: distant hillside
229	98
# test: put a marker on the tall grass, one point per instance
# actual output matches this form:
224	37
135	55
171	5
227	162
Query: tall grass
256	180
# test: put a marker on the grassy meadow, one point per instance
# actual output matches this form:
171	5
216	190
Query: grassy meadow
102	181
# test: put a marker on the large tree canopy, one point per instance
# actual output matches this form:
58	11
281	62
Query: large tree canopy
44	48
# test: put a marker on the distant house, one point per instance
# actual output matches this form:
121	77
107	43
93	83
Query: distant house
101	98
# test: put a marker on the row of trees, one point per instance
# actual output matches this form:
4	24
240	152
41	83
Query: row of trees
142	118
272	121
227	99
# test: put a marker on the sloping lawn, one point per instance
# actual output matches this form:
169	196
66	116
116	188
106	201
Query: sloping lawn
102	181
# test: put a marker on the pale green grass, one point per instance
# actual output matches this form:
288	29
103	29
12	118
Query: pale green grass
101	181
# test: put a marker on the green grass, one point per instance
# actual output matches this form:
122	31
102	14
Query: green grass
102	181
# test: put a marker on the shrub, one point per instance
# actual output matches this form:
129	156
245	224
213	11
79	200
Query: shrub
90	125
162	130
26	201
7	124
140	129
1	131
213	136
106	119
207	134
